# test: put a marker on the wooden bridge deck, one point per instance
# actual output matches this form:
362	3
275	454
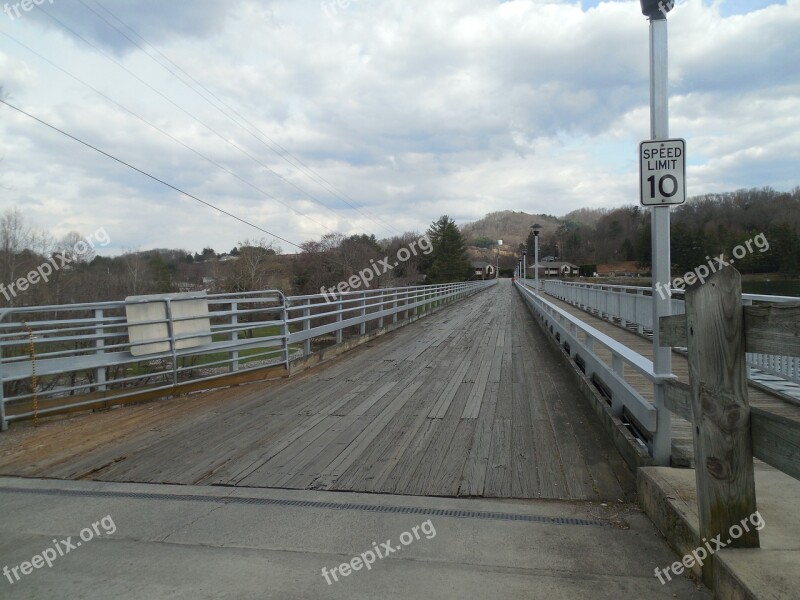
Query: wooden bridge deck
470	401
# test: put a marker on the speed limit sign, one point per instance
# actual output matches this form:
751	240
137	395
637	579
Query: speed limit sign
662	169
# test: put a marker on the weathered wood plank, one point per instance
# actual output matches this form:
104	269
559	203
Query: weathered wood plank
672	331
473	476
425	480
768	329
776	440
353	450
772	329
498	476
473	406
440	408
678	399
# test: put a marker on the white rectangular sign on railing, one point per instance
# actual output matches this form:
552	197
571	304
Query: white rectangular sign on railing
150	318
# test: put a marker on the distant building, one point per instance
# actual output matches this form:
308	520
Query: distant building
555	268
483	270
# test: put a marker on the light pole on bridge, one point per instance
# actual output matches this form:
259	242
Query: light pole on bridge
536	229
525	264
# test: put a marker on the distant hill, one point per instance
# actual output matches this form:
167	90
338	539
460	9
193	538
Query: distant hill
618	239
508	225
587	216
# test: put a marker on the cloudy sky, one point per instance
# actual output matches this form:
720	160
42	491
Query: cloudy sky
307	117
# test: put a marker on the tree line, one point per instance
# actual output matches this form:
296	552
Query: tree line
705	226
88	276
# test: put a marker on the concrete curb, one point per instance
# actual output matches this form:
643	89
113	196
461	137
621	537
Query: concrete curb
668	496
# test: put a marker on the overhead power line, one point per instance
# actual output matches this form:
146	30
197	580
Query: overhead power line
276	147
283	153
166	134
146	174
201	122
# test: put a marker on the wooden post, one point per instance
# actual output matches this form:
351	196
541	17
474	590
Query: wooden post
723	448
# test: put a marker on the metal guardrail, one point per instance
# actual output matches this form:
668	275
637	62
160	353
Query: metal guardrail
582	342
632	307
62	357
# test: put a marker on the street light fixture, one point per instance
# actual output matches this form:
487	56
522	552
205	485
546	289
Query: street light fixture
536	229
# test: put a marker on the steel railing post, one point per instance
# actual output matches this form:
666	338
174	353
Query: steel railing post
307	326
363	328
98	344
339	305
234	355
3	422
286	332
172	342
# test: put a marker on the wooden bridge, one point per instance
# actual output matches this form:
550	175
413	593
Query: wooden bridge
450	391
471	401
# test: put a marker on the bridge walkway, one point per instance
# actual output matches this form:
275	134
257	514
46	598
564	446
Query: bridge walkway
469	401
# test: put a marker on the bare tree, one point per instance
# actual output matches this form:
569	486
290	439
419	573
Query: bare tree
15	239
255	267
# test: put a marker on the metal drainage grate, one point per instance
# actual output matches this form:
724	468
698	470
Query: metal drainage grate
411	510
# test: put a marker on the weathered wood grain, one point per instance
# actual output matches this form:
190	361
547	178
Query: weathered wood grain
720	408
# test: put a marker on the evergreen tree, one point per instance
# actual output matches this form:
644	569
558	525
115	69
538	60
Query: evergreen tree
449	260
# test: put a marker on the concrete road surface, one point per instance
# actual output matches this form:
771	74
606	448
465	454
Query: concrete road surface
124	541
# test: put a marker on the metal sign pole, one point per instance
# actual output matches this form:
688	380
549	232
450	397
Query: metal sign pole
659	129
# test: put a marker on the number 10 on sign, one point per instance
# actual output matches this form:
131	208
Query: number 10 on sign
662	168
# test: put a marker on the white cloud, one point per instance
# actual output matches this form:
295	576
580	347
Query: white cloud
411	109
